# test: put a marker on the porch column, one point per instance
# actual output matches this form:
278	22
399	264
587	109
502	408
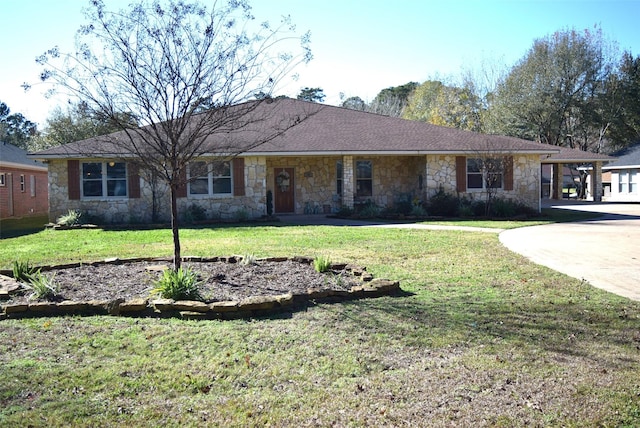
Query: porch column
596	182
556	181
347	181
425	179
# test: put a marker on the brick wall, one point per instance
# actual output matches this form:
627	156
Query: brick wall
23	199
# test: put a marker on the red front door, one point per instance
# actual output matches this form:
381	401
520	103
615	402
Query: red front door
283	190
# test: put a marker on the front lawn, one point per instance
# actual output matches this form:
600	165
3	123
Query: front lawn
485	338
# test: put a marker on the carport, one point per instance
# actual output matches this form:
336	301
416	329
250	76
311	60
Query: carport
593	161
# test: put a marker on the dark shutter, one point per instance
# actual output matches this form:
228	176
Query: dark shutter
508	173
134	180
181	191
238	177
461	173
73	177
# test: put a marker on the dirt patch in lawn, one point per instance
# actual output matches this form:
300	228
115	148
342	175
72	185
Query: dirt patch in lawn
220	280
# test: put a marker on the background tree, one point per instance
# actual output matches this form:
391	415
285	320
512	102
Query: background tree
77	123
392	101
440	104
15	128
626	84
185	72
314	95
553	91
354	103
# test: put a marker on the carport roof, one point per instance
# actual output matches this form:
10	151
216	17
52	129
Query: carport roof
568	155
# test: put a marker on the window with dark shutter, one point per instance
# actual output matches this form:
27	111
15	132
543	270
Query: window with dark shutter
73	173
238	177
508	173
461	173
134	180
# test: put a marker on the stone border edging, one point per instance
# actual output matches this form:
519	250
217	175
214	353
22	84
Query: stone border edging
249	307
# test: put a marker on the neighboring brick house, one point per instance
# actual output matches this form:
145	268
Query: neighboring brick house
23	184
335	158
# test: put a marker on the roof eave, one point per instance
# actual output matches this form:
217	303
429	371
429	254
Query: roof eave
23	166
609	167
389	152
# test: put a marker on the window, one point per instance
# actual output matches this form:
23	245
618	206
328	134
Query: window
104	179
364	179
22	183
628	181
2	180
210	179
339	178
32	185
484	173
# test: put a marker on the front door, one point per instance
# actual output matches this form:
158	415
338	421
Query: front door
283	190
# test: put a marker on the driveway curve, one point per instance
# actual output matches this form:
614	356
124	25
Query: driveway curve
604	251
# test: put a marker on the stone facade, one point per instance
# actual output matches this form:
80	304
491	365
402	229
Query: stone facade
394	179
441	173
140	210
252	205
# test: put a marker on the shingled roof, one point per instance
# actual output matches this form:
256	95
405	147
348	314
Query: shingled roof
628	157
568	155
327	130
11	155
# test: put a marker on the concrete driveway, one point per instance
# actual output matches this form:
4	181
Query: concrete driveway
604	251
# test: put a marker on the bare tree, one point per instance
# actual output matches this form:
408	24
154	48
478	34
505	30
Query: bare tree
491	171
187	73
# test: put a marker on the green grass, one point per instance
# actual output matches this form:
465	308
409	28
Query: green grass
483	338
10	228
548	215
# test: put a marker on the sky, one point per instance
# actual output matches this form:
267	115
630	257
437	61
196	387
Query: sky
359	46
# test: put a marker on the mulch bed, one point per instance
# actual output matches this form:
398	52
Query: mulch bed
221	280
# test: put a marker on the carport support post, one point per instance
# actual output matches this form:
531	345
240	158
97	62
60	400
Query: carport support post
556	181
347	182
596	182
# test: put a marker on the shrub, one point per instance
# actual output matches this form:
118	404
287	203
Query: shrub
479	208
181	284
444	204
369	210
43	287
503	208
248	259
322	264
404	207
418	211
269	203
23	271
71	218
345	211
242	215
466	210
195	213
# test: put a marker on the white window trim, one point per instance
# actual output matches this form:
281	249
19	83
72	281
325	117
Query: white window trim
210	180
104	183
628	177
484	179
3	179
363	179
339	178
22	183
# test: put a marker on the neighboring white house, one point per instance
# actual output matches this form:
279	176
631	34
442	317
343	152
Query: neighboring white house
625	176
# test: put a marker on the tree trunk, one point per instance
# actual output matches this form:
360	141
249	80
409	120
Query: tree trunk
175	228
